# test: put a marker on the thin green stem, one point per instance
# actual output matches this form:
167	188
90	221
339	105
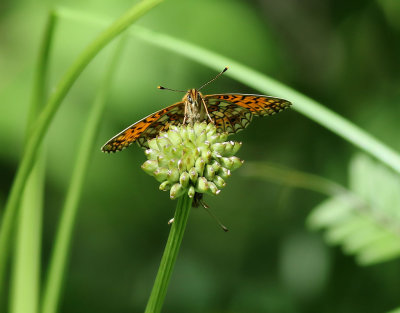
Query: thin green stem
160	286
25	278
289	177
39	94
45	118
59	259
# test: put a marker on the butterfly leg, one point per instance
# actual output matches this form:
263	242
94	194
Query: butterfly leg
198	199
205	107
184	115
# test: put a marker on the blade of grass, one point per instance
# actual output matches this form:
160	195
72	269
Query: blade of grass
25	278
305	105
42	124
168	259
61	247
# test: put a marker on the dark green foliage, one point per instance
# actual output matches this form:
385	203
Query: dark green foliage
345	55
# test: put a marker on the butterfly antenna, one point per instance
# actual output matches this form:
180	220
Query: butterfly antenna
206	207
161	87
218	75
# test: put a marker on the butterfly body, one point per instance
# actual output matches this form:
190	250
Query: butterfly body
195	107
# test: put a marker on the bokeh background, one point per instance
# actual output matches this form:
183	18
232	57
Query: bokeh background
344	54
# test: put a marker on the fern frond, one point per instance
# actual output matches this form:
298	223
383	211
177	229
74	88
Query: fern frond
366	220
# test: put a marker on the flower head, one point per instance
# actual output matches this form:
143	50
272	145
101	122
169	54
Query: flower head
190	159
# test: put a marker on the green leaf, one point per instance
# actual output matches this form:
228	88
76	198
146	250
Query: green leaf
330	212
365	221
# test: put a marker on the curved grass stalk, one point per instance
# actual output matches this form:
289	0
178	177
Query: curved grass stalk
25	276
59	258
45	118
305	105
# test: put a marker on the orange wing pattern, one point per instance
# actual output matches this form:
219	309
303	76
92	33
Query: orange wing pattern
234	112
229	117
146	128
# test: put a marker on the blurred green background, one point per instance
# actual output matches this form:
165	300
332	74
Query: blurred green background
344	54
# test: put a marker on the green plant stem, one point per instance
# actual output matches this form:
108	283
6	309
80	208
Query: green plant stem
160	286
39	94
25	278
42	124
289	177
61	246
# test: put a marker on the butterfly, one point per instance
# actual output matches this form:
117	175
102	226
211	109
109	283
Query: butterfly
231	113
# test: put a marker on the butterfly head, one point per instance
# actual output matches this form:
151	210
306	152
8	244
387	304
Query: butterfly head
193	97
194	106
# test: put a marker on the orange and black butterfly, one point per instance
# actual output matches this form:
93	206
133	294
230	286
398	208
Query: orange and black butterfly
230	112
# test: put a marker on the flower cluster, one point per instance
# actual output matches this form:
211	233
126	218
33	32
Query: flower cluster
191	159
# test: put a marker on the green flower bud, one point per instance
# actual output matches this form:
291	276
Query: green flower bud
191	158
184	179
211	129
173	175
206	155
161	174
226	162
202	137
199	165
153	145
216	165
191	192
199	127
216	154
219	147
176	191
235	148
223	136
201	185
224	173
193	174
151	154
209	172
165	185
162	161
219	181
213	188
173	135
236	163
192	135
181	165
150	166
163	142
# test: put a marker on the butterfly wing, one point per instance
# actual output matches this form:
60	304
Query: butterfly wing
147	128
234	112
